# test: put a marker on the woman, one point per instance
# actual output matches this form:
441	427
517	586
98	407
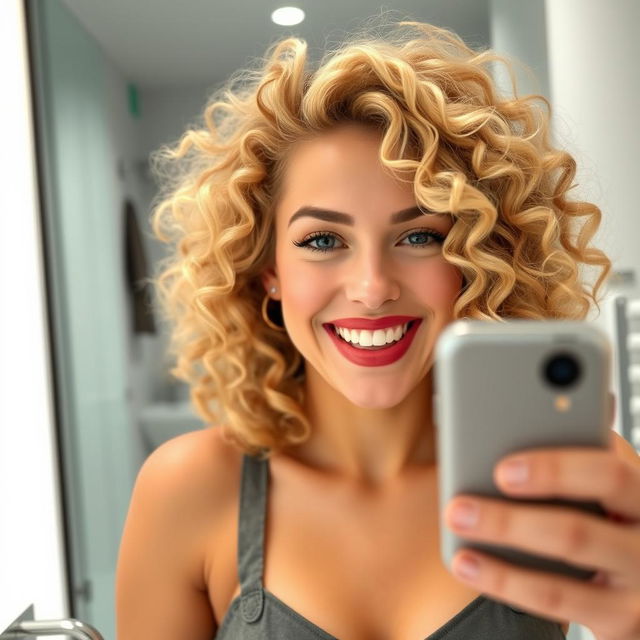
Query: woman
375	200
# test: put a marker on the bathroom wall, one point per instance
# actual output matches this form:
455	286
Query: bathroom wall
595	86
518	31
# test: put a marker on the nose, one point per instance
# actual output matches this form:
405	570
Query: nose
371	281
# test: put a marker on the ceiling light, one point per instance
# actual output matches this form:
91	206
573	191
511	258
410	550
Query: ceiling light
287	16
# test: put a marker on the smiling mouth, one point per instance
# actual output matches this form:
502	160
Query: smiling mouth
375	348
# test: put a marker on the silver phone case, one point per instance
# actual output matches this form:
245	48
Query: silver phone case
491	400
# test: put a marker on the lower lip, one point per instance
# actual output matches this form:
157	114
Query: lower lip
374	357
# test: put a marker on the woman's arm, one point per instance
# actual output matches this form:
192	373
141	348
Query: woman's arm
160	592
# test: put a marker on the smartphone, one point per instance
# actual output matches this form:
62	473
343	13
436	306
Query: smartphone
502	387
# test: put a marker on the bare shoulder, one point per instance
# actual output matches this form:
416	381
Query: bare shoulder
200	466
174	512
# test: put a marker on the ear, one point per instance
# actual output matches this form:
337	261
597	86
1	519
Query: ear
269	279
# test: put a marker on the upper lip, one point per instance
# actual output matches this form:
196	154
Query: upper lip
372	324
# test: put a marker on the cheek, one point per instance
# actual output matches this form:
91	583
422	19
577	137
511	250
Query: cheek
441	284
304	289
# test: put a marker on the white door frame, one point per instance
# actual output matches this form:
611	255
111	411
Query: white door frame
31	530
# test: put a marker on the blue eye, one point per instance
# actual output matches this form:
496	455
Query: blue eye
430	237
324	240
318	236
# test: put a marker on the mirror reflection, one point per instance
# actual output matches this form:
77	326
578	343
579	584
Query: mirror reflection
130	214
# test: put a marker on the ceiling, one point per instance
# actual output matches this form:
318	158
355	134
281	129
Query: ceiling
173	43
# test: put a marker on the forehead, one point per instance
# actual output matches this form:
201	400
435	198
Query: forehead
342	141
341	168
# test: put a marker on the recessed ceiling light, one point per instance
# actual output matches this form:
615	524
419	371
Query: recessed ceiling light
287	16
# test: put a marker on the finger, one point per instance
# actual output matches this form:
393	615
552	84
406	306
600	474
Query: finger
580	473
556	532
607	612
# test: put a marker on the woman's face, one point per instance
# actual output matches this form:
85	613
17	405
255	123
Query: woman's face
359	266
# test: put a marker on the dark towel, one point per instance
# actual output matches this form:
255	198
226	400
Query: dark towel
137	274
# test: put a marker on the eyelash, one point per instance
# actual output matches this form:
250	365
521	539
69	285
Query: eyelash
306	243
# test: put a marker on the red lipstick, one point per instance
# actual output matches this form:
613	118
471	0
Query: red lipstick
374	357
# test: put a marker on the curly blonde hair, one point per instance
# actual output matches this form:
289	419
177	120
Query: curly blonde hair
479	156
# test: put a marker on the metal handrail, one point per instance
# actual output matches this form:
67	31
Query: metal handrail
66	627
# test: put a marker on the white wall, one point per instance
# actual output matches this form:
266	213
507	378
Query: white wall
518	30
595	87
31	552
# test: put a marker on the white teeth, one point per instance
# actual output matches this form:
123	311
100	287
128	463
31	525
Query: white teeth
377	338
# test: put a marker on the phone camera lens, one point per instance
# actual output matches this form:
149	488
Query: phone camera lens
562	370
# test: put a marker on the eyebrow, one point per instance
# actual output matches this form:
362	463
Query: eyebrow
344	218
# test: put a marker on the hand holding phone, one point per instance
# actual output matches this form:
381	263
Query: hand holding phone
503	387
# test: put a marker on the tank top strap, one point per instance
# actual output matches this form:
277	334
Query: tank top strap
253	504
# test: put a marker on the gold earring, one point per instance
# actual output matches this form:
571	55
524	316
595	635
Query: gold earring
265	314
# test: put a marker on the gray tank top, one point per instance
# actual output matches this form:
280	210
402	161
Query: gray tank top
256	614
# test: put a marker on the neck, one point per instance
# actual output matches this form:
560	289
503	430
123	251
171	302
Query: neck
372	447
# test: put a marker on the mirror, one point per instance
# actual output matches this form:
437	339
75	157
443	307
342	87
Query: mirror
113	81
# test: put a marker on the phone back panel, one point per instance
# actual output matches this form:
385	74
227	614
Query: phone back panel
492	399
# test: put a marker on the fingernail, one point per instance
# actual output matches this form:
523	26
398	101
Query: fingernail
465	515
467	567
514	472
